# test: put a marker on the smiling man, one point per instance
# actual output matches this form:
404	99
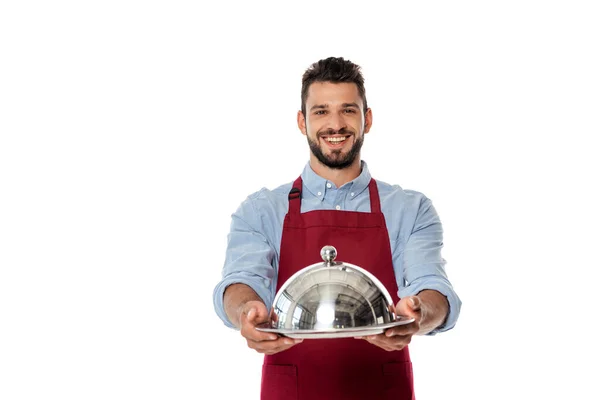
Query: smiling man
393	233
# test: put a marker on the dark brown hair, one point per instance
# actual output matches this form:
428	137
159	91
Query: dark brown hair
336	70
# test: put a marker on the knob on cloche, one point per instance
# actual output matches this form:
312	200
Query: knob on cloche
328	253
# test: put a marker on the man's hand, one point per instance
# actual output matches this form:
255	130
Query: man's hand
254	313
429	309
397	338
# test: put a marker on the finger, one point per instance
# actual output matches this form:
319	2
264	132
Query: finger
274	346
278	342
258	336
409	329
403	308
409	307
390	343
381	344
256	315
389	340
374	338
249	331
415	303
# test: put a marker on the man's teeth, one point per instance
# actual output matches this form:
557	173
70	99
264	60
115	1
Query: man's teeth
335	139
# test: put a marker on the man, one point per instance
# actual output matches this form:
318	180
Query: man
394	233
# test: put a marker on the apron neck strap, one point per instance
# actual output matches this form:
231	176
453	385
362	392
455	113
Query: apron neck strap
374	197
295	196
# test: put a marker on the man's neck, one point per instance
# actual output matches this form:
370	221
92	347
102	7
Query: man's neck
339	177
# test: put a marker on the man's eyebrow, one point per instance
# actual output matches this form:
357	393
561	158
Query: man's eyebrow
319	106
326	106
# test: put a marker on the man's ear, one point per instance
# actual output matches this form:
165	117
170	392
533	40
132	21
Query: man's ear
368	120
301	122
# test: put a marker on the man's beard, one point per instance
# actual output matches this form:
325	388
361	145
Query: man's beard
336	160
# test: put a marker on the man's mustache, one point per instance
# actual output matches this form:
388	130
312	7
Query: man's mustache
331	132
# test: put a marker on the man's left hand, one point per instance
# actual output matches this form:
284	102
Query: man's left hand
397	338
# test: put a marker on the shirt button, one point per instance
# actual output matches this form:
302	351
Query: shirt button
318	193
337	207
352	194
328	185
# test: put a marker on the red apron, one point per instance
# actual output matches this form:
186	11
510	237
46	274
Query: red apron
344	368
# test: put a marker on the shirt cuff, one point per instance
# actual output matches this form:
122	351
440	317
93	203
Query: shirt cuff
258	284
444	287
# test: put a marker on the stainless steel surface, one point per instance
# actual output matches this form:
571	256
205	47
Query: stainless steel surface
335	333
331	297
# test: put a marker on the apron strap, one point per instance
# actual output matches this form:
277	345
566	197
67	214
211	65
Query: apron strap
295	196
374	197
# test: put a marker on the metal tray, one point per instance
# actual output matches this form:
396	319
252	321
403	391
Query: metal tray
335	333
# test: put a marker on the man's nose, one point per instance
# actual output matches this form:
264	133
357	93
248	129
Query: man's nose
337	122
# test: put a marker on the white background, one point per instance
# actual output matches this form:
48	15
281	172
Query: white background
130	131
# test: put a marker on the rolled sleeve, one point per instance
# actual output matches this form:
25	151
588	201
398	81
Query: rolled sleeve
255	282
249	259
423	265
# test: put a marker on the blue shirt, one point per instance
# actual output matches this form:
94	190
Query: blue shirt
414	228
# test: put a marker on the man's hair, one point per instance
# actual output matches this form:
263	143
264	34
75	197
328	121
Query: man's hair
335	70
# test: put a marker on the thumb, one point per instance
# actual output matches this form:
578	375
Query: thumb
246	313
256	313
409	306
251	313
415	303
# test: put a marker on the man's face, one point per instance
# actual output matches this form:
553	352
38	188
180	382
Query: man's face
335	123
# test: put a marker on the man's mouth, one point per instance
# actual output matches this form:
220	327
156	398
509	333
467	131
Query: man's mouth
335	140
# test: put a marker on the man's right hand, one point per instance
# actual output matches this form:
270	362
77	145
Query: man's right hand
254	313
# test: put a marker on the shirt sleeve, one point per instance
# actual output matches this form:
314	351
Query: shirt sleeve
423	265
249	258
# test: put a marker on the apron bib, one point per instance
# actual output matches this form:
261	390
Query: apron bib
344	368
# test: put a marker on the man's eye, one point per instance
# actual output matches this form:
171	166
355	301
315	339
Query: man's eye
350	111
320	112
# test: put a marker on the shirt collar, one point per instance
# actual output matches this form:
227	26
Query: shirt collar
317	185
